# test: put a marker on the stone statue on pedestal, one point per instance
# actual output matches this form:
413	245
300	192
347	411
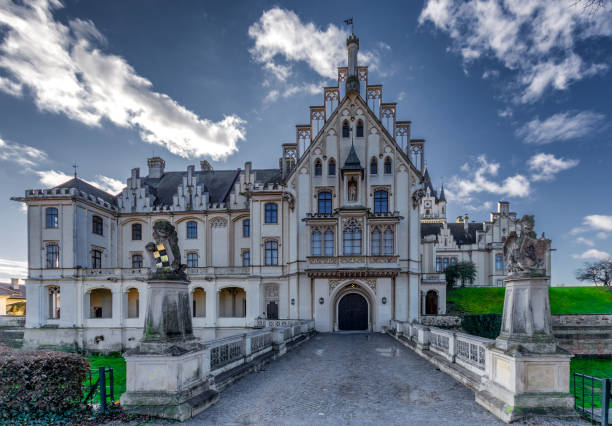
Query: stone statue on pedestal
526	254
164	252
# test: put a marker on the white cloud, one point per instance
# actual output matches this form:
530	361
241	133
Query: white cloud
13	269
486	206
280	33
561	127
10	87
599	222
52	178
505	113
22	155
68	73
289	90
546	166
490	74
578	230
534	39
585	241
479	180
602	235
592	254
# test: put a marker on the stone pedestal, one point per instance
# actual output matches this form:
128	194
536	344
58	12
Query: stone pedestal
167	374
527	373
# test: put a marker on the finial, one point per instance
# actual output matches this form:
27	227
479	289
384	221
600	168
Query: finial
74	166
350	22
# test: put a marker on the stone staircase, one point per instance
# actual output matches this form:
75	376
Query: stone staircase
12	337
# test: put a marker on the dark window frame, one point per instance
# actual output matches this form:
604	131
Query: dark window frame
271	253
246	228
346	129
52	256
96	259
331	167
324	202
53	216
136	231
360	128
271	213
374	166
246	258
388	166
381	201
97	225
137	261
192	260
318	168
191	230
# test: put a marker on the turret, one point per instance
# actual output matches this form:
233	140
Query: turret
352	79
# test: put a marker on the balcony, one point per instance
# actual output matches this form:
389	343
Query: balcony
351	261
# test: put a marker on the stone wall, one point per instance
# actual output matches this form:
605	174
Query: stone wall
586	334
442	321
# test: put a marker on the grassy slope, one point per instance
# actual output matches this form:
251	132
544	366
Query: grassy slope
563	300
117	363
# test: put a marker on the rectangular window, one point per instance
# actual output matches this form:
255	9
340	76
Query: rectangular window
328	242
192	260
499	262
271	213
246	258
453	261
137	261
246	228
96	259
444	263
136	232
388	240
500	282
52	256
271	253
376	242
97	225
438	264
192	229
352	241
51	217
381	202
316	243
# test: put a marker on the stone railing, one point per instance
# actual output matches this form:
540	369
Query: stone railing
217	270
433	278
463	349
227	350
340	260
272	323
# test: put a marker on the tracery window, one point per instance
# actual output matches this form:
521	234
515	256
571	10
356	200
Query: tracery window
360	129
316	242
345	129
271	213
351	239
51	217
192	229
373	166
324	202
328	242
271	253
387	166
318	170
331	167
97	225
381	201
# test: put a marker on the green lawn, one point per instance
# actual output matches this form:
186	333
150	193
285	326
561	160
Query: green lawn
563	300
601	368
117	363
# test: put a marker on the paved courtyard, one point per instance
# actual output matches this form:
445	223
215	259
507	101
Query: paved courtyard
348	378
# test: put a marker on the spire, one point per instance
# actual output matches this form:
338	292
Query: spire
442	197
352	79
352	161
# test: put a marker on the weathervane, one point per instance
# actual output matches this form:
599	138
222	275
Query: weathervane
350	22
74	166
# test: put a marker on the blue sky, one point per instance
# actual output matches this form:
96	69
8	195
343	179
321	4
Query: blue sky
514	99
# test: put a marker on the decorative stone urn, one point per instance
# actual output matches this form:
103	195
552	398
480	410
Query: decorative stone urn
528	373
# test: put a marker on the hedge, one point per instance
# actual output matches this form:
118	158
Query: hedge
483	325
36	385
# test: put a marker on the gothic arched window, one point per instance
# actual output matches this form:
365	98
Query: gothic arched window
381	201
325	202
331	167
373	166
387	166
345	129
360	129
318	168
316	243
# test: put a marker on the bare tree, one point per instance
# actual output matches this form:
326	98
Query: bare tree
591	5
599	272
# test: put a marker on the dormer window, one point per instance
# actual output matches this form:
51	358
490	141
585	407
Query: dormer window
360	129
318	169
345	129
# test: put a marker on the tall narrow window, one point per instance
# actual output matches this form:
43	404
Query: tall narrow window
271	253
96	259
360	129
444	263
388	242
453	261
246	228
352	240
137	261
52	256
192	229
438	264
51	218
325	203
499	262
328	243
345	129
192	260
387	166
97	225
246	258
331	167
316	243
318	168
271	213
374	167
376	242
136	231
381	201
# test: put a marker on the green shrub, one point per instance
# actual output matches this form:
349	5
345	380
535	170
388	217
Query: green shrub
483	325
40	385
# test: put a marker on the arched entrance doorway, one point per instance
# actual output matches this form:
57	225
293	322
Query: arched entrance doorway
431	303
353	312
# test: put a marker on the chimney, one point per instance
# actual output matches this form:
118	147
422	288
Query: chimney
247	168
156	167
466	223
190	171
15	283
205	166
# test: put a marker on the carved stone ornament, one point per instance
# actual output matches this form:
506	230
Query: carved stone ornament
290	200
164	251
525	255
416	197
351	221
218	222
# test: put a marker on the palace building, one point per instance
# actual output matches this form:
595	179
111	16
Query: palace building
347	231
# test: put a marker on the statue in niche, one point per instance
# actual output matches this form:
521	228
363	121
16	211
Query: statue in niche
352	190
165	253
526	254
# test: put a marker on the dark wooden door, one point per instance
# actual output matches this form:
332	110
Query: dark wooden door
431	303
353	312
272	310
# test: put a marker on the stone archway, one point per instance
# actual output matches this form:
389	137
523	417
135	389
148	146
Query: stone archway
352	312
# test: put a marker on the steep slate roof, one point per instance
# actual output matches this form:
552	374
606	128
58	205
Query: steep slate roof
457	230
442	196
81	185
430	229
428	184
352	161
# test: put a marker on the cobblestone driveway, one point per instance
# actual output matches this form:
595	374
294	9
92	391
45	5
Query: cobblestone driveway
348	378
